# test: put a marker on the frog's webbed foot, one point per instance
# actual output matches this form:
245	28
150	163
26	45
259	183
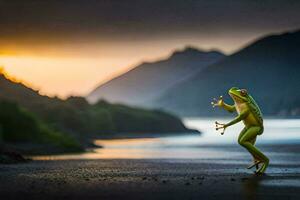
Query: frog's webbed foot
263	168
220	126
255	164
217	102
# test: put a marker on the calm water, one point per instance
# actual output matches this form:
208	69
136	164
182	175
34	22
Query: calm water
190	146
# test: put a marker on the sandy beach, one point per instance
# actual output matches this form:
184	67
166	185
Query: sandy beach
218	178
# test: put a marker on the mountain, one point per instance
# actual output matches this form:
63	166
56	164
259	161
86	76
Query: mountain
148	80
269	69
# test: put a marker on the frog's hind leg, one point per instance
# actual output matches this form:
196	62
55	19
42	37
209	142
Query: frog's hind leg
256	161
246	140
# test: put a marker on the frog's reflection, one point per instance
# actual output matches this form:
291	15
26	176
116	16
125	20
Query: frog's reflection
251	186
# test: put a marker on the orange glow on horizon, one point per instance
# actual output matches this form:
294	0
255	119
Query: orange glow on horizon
61	77
8	76
75	69
12	78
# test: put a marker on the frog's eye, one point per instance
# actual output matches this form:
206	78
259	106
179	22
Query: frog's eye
243	92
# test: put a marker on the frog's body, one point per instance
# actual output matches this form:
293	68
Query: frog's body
254	117
248	112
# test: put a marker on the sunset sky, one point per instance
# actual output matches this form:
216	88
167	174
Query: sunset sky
67	47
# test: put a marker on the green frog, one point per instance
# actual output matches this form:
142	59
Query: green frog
248	112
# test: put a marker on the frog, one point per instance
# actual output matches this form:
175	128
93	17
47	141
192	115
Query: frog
249	112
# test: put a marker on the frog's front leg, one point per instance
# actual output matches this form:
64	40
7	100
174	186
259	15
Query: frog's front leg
220	103
220	126
239	118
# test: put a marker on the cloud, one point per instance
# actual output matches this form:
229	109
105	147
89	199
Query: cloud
68	20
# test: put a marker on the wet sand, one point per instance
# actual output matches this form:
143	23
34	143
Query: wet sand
225	178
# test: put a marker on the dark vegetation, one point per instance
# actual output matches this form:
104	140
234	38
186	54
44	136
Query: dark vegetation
52	125
20	126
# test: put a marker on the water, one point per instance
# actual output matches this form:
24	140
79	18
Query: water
276	131
191	146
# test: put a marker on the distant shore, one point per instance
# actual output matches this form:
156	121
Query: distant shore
147	135
13	153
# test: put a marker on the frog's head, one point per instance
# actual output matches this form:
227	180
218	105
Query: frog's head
238	95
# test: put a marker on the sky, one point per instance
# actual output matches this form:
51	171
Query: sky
68	47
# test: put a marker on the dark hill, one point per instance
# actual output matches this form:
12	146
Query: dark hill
269	68
49	119
148	80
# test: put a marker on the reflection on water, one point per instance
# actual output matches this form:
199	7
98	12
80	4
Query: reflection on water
282	182
251	186
149	148
189	146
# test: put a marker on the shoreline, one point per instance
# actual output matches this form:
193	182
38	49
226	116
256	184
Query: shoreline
144	179
24	148
147	135
224	177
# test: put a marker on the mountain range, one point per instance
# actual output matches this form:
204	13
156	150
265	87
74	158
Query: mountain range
148	81
186	82
268	68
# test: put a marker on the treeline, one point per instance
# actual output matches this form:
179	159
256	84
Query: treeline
68	125
18	126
